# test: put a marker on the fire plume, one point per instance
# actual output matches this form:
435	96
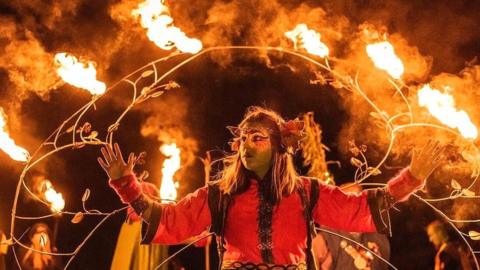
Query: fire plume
79	74
57	203
442	106
384	57
154	16
308	39
168	190
7	144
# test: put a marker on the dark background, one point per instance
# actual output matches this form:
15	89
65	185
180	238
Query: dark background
211	96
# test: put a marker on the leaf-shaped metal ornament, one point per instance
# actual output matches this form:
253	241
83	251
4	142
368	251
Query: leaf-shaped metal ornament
356	162
77	218
147	73
468	193
157	94
86	195
455	185
474	235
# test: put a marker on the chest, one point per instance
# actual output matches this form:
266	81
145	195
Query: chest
245	214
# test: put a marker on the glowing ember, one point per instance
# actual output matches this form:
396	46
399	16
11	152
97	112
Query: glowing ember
57	203
7	144
79	74
168	190
384	57
160	29
308	39
442	106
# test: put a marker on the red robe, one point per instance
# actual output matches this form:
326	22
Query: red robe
173	224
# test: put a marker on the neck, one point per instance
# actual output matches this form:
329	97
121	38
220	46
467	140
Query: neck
261	173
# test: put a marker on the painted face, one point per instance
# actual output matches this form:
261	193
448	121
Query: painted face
256	149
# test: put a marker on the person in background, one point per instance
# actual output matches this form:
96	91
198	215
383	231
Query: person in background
450	255
40	237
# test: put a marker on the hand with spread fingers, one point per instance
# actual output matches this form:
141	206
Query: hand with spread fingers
426	160
114	164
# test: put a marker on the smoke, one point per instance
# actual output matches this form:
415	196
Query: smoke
170	126
29	66
443	30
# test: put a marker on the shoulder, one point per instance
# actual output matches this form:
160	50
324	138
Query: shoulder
308	182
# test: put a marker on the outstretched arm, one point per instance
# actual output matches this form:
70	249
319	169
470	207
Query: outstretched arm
368	212
122	179
423	163
167	223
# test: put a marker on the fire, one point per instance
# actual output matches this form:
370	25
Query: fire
79	74
442	106
160	29
384	57
57	203
168	190
308	39
7	144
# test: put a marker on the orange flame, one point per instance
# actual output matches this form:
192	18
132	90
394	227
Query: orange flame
308	39
160	29
168	190
79	74
57	203
7	144
442	106
384	57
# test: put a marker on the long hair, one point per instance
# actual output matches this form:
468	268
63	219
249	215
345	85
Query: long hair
284	178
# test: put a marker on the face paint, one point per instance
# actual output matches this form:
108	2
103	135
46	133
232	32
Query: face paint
256	149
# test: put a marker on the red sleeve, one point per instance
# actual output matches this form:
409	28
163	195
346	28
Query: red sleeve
175	223
340	211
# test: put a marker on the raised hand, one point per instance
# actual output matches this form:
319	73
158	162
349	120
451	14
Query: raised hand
426	160
114	164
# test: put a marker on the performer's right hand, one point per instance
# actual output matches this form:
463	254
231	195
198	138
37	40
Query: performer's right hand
114	164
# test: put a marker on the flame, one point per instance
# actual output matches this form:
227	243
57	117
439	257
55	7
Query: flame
384	57
308	39
160	29
57	203
7	144
442	106
79	74
168	191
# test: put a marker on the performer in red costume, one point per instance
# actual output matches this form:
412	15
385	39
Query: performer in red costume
261	211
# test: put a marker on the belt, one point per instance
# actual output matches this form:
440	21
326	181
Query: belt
234	265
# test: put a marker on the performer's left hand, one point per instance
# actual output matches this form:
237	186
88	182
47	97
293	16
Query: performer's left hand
426	160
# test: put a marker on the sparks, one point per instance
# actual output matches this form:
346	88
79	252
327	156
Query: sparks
79	74
442	106
168	190
7	144
57	203
160	29
308	39
384	57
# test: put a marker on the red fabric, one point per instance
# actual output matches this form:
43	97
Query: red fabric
127	188
148	189
334	209
403	185
191	216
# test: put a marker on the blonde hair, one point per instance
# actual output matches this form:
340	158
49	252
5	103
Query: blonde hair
284	178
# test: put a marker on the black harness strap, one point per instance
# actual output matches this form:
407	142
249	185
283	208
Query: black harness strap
308	206
218	204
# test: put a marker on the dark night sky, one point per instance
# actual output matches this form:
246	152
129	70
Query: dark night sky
213	94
